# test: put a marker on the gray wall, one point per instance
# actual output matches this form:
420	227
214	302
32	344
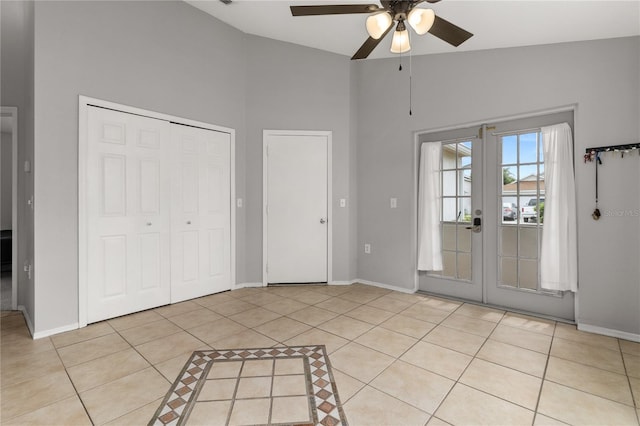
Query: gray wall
162	56
290	87
602	77
172	58
16	89
6	177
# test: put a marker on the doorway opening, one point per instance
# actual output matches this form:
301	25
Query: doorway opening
9	209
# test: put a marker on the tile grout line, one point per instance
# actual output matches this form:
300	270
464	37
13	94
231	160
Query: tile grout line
633	398
77	394
369	383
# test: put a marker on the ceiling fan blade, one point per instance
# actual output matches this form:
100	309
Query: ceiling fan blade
369	44
333	9
449	32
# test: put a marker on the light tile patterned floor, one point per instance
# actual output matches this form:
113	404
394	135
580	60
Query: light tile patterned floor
396	359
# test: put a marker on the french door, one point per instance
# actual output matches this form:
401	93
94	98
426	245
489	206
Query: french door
492	217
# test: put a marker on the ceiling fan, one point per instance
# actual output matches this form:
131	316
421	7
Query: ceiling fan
381	20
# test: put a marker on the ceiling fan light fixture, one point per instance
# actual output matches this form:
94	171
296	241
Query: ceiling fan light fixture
421	20
400	42
378	23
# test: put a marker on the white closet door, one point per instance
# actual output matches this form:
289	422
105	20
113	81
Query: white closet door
201	212
128	214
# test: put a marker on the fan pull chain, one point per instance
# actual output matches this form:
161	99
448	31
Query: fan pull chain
410	75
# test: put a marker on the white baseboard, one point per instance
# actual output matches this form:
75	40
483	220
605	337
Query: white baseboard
22	309
51	332
342	282
634	337
386	286
246	285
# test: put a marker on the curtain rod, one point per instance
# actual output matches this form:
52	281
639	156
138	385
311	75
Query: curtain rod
624	147
517	132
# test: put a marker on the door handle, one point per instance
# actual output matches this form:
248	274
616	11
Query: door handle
323	220
477	225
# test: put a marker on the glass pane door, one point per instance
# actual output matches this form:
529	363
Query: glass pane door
497	183
460	177
514	213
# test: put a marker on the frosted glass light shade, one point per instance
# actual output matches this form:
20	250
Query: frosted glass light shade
421	20
378	23
400	42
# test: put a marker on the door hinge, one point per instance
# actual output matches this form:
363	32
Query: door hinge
480	132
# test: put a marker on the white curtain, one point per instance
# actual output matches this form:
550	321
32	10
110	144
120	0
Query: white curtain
429	201
559	249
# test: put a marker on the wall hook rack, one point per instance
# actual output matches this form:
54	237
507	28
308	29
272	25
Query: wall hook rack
592	154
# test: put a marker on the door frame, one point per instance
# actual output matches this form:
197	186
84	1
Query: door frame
84	103
480	124
12	114
265	196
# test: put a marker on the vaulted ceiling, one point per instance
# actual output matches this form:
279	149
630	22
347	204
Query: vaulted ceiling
495	23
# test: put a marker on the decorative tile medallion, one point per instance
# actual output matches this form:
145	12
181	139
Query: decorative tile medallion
318	387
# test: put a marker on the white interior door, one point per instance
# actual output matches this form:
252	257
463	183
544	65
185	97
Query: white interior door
296	193
127	213
201	212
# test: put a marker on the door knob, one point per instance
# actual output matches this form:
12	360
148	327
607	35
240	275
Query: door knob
323	220
149	223
188	222
477	225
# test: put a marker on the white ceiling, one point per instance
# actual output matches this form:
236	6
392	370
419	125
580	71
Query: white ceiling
495	23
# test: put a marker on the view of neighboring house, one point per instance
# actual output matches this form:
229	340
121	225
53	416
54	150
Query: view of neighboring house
522	191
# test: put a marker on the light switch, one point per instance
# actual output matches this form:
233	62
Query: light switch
343	202
393	202
239	202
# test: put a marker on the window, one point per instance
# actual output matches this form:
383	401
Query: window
456	209
523	190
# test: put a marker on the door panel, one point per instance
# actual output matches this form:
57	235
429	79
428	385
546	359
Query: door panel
461	170
201	212
296	193
127	214
512	249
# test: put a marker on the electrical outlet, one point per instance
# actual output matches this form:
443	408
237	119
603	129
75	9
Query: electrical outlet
343	202
367	248
393	203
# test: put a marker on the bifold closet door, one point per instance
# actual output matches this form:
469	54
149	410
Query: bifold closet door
128	213
200	212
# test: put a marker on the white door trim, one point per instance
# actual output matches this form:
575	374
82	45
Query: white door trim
12	114
84	102
265	195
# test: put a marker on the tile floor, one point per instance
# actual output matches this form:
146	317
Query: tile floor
397	359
